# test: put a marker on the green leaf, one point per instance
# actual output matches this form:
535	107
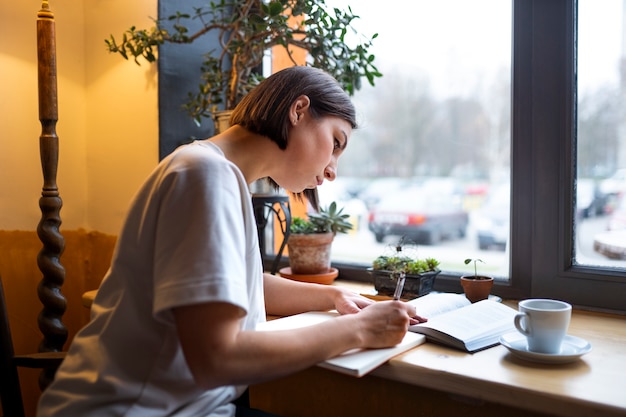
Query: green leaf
275	8
246	32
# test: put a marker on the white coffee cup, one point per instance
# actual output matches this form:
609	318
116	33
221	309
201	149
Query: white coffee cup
544	322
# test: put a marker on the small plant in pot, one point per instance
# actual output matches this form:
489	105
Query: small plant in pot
476	287
419	273
310	241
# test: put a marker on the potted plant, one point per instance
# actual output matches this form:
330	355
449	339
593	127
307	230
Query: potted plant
310	242
419	273
246	30
476	287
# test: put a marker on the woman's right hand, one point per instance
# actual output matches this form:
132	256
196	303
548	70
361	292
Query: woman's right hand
384	324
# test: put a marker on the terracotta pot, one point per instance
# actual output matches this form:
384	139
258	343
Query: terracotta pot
324	278
476	289
309	253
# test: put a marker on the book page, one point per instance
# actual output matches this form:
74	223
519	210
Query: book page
434	304
473	321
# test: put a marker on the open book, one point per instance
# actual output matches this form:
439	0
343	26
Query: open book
355	362
454	321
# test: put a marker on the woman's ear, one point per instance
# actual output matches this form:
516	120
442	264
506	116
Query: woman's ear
298	107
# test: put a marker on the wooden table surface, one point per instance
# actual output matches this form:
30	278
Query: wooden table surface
596	383
593	385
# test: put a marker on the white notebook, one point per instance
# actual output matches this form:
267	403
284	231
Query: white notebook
355	362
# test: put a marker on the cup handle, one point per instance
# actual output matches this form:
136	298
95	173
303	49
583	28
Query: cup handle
522	324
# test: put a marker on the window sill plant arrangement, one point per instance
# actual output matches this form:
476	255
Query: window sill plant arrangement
476	287
419	273
310	240
246	30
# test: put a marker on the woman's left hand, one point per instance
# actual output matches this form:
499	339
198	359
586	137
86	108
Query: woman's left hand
348	302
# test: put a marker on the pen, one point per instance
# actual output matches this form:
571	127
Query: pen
399	286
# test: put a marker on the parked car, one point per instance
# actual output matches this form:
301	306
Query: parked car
379	188
615	184
590	200
493	219
617	219
425	217
612	242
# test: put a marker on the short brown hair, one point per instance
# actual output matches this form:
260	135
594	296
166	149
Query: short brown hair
265	110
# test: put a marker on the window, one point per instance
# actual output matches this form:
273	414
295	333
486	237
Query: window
600	217
545	151
544	162
430	163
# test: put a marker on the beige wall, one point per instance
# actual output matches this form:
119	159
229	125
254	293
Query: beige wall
108	143
108	115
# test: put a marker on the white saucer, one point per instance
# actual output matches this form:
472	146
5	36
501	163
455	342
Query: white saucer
572	348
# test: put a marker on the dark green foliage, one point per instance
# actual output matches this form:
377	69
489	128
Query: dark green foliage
329	219
406	264
246	29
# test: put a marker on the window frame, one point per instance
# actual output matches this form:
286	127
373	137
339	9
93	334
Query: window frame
544	103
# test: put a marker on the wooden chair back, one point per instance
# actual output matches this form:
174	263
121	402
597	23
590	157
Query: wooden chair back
10	394
10	391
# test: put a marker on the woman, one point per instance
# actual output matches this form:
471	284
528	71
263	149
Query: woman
172	329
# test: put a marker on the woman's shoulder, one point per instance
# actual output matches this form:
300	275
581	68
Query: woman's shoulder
202	160
197	155
199	149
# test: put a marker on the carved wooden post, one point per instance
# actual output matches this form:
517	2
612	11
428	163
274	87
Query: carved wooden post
48	260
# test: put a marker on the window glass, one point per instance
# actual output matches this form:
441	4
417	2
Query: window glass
430	161
600	210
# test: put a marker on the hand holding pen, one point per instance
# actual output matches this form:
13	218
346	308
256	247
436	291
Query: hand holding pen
397	295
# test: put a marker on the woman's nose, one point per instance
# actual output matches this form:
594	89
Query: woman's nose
330	173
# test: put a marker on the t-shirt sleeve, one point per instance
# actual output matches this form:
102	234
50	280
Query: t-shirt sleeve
200	240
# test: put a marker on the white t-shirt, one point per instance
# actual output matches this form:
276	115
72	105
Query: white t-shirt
190	237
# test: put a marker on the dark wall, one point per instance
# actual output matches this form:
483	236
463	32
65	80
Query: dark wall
179	74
